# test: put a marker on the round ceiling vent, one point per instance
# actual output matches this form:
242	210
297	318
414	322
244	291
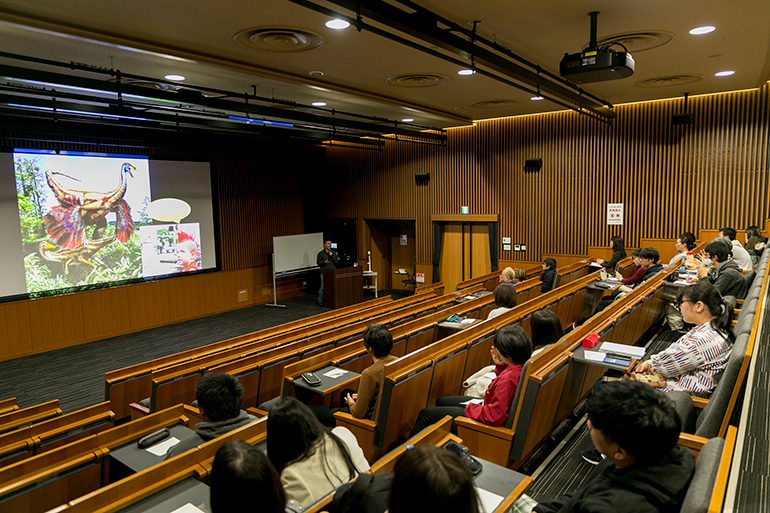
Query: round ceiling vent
669	81
149	84
418	80
279	39
494	104
637	42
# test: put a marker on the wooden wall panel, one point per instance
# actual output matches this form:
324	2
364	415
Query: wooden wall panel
713	173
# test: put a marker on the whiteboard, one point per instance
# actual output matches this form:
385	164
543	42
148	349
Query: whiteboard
295	252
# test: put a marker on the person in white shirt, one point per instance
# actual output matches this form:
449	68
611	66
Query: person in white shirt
505	299
684	244
740	255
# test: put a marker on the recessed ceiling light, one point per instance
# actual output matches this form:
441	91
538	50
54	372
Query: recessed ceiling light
174	78
466	72
537	98
702	30
407	120
318	104
337	24
724	73
315	73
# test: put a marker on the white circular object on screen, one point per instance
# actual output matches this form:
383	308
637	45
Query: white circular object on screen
168	209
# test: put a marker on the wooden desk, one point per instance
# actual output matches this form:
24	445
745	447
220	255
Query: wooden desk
129	459
175	496
328	385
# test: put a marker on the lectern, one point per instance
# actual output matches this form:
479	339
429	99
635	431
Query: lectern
343	287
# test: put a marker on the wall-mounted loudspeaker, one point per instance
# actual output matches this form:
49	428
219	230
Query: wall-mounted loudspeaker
422	178
533	164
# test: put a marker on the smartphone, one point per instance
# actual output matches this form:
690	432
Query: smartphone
311	379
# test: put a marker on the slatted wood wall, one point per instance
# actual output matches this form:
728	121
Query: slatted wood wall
261	190
713	173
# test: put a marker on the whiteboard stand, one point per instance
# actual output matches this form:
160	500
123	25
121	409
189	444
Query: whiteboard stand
275	293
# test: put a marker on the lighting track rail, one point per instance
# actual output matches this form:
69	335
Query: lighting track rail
487	58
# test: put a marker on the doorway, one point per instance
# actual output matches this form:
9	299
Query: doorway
393	248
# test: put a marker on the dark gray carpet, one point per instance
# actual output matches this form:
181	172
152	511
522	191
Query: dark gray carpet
75	375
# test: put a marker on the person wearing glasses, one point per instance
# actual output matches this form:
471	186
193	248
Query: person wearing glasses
693	362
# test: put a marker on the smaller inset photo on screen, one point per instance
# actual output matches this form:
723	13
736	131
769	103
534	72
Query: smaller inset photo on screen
170	248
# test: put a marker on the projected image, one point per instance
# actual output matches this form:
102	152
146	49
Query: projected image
170	249
79	217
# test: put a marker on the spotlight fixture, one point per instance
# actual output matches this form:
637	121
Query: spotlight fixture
174	78
315	73
337	24
724	73
407	120
538	97
318	104
466	72
702	30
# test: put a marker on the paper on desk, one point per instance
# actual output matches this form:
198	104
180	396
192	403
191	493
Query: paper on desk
467	321
160	449
595	356
335	373
188	508
594	264
684	282
473	401
487	500
469	297
636	352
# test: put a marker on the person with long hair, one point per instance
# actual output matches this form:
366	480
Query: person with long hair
693	362
618	253
426	478
311	459
505	299
241	472
755	243
548	276
546	329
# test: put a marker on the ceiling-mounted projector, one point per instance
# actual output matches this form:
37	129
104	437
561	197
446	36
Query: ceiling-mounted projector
596	63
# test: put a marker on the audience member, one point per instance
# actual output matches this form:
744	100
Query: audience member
378	342
740	255
427	478
755	243
548	276
636	429
684	244
506	276
647	264
512	348
693	362
311	460
727	277
219	401
505	299
546	329
241	473
618	253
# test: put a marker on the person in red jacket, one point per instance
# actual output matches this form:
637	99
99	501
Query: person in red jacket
511	350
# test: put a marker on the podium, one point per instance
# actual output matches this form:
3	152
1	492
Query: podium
343	287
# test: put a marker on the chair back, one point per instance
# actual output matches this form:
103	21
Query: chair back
699	492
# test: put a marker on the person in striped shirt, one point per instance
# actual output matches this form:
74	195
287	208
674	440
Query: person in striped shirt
692	363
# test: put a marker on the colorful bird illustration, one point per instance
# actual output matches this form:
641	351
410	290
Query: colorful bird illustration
79	255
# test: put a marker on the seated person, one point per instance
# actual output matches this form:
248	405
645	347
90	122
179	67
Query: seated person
511	350
638	274
512	276
378	342
311	460
693	362
647	260
428	478
242	472
755	243
740	255
548	276
219	401
684	244
505	299
546	329
727	277
618	254
636	429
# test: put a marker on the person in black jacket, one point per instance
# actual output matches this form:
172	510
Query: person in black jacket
548	277
636	428
326	259
618	253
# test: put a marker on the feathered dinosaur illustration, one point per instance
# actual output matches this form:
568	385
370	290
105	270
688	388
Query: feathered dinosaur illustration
66	222
79	255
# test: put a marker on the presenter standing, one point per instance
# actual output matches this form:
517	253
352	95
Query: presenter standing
326	259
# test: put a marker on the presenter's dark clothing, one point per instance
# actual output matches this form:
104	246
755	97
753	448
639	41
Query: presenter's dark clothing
652	488
548	278
326	261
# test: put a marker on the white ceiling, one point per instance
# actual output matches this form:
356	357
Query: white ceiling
196	38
